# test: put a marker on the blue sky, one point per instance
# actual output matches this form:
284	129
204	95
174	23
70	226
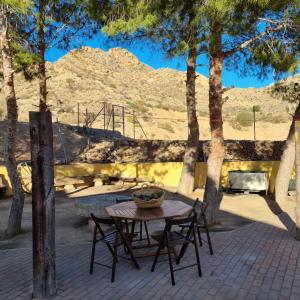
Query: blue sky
154	57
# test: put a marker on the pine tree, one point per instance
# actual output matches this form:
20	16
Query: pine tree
10	11
287	92
56	23
253	30
225	30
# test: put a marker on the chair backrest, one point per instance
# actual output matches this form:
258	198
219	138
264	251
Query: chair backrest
204	206
103	221
191	220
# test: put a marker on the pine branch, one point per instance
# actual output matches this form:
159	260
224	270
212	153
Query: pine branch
253	40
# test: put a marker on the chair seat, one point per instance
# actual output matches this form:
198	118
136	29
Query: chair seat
199	225
114	238
175	238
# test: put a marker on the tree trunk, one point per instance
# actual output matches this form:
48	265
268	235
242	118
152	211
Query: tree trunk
15	216
297	159
287	162
187	179
212	195
43	205
41	58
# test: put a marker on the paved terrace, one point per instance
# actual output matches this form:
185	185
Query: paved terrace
256	261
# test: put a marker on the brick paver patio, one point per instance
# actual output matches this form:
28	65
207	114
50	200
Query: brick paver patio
256	261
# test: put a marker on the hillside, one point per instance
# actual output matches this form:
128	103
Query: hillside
91	76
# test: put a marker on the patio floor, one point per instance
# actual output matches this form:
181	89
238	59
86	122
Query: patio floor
256	261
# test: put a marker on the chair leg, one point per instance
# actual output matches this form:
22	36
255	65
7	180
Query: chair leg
147	233
208	236
175	255
93	251
182	252
111	250
161	242
170	258
141	230
113	272
132	227
197	254
128	247
126	224
199	236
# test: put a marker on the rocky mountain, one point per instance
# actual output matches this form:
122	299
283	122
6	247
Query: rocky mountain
89	77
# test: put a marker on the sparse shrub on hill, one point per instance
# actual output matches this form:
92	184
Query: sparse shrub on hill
203	113
181	108
137	105
277	119
130	119
166	126
71	84
244	119
163	105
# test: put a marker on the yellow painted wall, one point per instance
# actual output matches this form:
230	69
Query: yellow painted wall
5	179
167	173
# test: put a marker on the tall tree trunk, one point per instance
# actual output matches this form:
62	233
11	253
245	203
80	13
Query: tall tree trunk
41	57
297	160
212	195
15	216
187	179
287	161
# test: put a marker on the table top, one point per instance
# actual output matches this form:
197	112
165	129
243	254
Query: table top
96	204
129	210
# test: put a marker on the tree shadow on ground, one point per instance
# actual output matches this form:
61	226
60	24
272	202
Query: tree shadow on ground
284	217
226	221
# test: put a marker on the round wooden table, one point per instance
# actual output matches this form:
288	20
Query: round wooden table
129	210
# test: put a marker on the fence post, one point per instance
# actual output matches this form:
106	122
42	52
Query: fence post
133	116
123	120
43	205
254	129
78	116
113	118
104	115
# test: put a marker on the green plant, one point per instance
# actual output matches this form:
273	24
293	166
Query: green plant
137	105
244	119
71	83
203	113
163	106
277	119
166	126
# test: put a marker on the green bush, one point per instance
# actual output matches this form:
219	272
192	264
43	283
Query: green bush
167	127
203	113
244	119
138	106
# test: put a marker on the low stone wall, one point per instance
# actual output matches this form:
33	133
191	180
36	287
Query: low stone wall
173	151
